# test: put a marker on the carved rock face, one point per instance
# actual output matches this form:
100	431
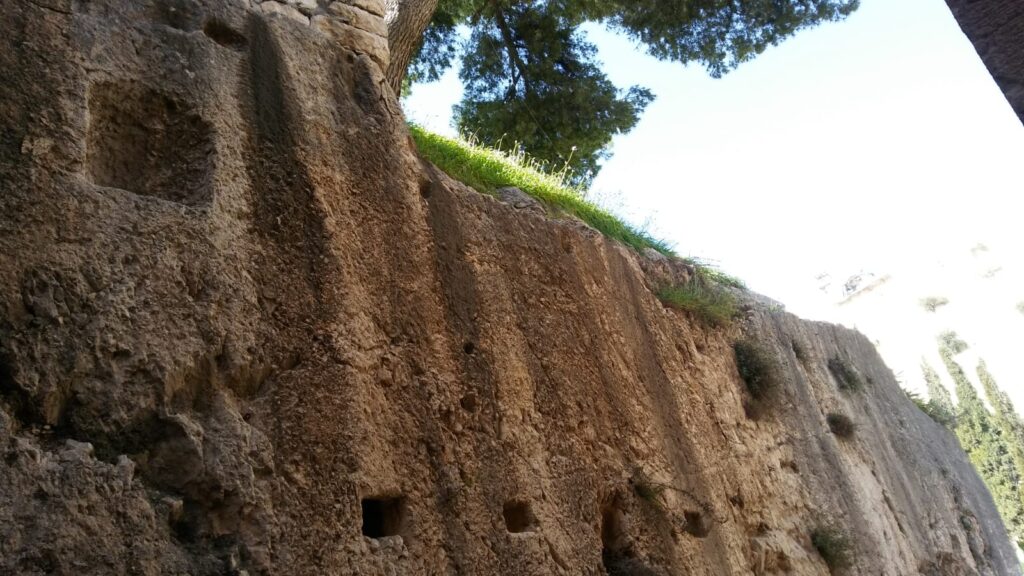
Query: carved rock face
244	329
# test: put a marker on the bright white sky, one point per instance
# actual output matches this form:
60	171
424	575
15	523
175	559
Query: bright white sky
879	143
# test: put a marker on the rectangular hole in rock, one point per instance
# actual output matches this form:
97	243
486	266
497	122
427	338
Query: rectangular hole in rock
383	517
614	539
149	143
518	517
696	524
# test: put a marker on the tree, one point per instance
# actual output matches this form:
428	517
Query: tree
940	403
1006	418
532	78
406	21
950	341
987	447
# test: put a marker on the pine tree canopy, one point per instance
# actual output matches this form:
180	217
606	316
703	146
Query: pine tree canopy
987	443
533	80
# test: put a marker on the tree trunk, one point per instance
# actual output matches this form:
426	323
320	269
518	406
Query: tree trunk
406	20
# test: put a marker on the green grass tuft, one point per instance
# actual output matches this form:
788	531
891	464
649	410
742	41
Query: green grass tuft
648	491
846	375
757	367
487	169
834	547
712	305
840	425
709	273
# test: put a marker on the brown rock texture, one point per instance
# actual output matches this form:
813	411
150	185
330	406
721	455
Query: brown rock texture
245	330
996	28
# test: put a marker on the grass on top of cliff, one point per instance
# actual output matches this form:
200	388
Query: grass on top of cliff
710	303
487	169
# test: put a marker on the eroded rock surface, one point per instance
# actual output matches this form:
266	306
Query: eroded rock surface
996	28
245	330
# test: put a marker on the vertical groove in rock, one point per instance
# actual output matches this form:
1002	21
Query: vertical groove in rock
287	346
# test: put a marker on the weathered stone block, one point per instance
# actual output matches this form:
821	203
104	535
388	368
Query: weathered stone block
285	10
371	6
354	38
359	18
307	7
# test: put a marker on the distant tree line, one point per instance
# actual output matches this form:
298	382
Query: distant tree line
993	440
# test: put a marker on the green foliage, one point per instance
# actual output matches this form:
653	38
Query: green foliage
933	303
845	374
841	425
531	76
834	547
940	404
948	340
937	393
989	448
1020	306
691	521
719	35
709	273
487	170
646	490
932	409
1007	420
711	304
757	367
441	47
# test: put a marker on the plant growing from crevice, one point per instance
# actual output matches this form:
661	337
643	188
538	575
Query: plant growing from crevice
695	522
834	547
841	425
757	367
647	490
710	303
933	303
845	374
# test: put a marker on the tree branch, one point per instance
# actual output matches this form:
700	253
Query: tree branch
510	45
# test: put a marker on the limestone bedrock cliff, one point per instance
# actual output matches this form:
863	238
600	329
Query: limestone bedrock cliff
244	329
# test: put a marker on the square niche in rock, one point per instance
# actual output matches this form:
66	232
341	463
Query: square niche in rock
383	517
149	143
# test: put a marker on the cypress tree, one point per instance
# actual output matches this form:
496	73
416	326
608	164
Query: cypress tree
939	401
1006	418
985	445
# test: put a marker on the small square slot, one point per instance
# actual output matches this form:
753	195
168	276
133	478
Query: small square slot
518	517
383	517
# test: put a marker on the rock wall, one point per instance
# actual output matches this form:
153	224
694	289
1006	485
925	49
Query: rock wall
245	330
996	28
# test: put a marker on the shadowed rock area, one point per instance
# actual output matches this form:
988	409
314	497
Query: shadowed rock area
996	28
245	330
